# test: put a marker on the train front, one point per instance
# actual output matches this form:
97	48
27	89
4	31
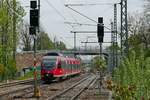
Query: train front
48	66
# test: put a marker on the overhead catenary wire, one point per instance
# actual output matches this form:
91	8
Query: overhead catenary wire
83	24
60	14
92	4
80	24
86	16
73	17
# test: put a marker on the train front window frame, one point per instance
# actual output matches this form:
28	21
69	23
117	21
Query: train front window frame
49	64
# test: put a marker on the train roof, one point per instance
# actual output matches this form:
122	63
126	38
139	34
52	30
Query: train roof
50	57
53	54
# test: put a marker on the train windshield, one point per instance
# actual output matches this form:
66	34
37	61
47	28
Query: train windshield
48	63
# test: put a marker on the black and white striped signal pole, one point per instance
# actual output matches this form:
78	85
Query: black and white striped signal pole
34	24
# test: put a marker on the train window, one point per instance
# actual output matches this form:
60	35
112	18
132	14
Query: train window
59	65
48	63
63	64
52	54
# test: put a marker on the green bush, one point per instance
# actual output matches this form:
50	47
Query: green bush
2	71
134	71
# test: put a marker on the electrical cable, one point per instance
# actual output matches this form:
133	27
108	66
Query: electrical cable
55	10
79	24
72	23
89	4
66	41
73	17
86	17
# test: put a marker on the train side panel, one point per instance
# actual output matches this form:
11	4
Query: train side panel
58	67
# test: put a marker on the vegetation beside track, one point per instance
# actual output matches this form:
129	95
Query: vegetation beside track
30	74
131	78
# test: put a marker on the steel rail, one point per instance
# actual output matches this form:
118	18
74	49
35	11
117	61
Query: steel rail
64	91
14	91
17	90
15	83
41	87
81	91
32	91
92	84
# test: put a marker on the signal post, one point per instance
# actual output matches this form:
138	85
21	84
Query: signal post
100	35
34	24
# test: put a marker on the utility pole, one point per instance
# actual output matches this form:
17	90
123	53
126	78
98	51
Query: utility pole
100	45
74	41
124	29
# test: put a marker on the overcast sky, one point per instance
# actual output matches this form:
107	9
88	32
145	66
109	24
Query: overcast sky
54	14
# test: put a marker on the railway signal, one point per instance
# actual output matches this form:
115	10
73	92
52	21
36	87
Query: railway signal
100	29
34	23
100	35
33	4
34	14
34	17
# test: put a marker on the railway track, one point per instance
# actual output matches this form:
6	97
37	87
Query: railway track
26	91
74	91
15	83
13	87
48	89
18	92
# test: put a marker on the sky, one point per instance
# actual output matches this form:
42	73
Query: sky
54	17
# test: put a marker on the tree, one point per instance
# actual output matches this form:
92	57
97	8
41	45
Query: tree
8	18
60	45
44	42
25	38
139	30
147	8
99	63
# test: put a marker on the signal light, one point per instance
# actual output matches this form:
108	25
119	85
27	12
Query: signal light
34	17
33	4
100	29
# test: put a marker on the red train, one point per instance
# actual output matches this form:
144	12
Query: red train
56	66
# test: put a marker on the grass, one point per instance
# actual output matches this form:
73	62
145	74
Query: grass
26	76
29	75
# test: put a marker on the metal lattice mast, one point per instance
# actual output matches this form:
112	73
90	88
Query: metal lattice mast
124	28
112	47
115	34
